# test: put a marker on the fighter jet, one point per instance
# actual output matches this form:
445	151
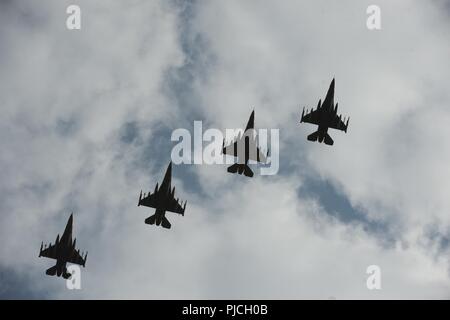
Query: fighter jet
63	251
325	116
245	148
162	199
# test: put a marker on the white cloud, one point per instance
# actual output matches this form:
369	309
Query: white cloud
265	244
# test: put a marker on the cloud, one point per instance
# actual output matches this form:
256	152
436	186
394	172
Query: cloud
390	82
65	97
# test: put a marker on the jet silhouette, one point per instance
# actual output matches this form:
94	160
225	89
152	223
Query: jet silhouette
63	251
325	116
162	199
245	148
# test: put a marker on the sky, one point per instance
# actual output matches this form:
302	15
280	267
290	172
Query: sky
86	123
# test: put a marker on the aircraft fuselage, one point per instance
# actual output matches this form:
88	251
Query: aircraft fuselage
159	216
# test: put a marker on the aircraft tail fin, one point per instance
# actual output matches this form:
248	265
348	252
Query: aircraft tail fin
313	136
328	140
241	169
151	219
51	271
165	223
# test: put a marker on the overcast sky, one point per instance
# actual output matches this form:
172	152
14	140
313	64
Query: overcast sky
86	122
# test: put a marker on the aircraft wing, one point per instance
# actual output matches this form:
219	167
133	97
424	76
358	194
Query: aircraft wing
76	258
48	252
148	201
339	124
311	116
175	206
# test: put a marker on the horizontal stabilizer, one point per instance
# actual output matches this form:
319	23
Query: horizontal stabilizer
241	169
66	275
151	219
233	169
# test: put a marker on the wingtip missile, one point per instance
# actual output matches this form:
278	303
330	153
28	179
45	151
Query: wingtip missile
346	125
303	114
40	250
85	259
140	198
